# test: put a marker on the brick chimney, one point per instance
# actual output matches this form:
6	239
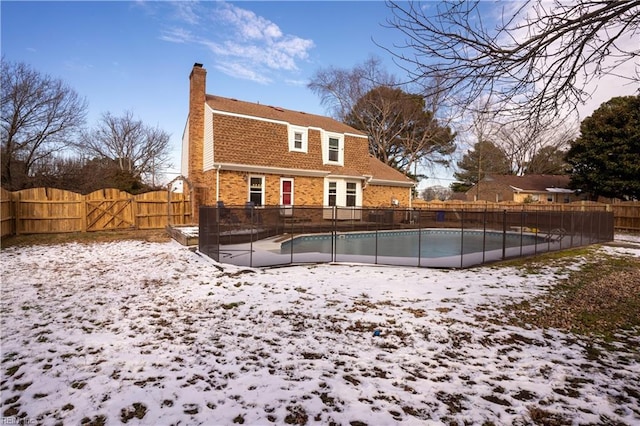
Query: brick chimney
195	153
197	99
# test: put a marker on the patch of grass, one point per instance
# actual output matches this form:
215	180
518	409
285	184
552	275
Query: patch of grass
99	420
21	386
13	369
602	298
231	305
137	410
296	416
351	379
535	264
546	418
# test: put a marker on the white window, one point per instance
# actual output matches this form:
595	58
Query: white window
333	193
298	139
343	193
333	148
256	190
352	194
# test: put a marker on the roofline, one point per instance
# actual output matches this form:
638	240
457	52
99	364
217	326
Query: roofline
301	172
268	169
271	120
391	182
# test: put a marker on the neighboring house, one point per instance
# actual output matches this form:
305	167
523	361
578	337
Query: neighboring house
527	188
238	152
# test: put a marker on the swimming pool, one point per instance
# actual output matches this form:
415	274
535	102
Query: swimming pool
426	243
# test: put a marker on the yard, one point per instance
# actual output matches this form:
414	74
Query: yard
102	330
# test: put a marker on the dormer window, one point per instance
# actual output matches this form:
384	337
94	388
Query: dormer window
298	138
333	148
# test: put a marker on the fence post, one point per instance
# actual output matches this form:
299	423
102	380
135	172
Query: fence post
462	237
504	234
83	214
419	239
334	245
134	210
18	211
484	233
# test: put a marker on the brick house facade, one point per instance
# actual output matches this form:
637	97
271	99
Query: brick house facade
520	189
236	152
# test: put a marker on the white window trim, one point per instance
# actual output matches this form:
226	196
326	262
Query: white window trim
341	192
292	130
249	187
325	148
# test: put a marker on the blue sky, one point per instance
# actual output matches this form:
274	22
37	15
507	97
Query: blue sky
137	55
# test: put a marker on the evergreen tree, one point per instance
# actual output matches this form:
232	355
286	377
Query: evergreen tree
605	159
484	159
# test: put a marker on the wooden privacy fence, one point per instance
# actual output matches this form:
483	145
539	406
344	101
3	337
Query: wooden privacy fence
50	210
626	214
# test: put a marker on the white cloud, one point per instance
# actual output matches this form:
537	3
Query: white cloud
240	70
248	24
240	40
185	12
177	35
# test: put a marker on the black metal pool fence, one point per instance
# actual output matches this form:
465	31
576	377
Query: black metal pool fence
275	235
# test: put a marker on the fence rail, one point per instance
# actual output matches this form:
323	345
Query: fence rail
50	210
273	235
626	214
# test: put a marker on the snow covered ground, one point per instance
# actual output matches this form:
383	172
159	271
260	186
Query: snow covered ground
152	333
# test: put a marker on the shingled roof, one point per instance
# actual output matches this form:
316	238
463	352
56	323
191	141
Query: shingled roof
383	172
297	118
537	183
378	170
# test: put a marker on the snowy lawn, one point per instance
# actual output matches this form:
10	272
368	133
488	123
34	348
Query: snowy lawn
152	333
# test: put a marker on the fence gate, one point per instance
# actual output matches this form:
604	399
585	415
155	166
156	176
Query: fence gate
109	209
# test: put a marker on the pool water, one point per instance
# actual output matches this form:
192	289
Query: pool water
426	243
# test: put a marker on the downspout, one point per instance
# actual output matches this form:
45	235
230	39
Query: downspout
411	196
218	182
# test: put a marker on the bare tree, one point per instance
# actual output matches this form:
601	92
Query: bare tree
525	145
436	192
40	116
534	63
340	89
137	148
402	133
549	160
402	127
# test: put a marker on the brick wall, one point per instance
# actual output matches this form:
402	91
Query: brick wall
490	191
381	196
308	191
268	145
234	188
